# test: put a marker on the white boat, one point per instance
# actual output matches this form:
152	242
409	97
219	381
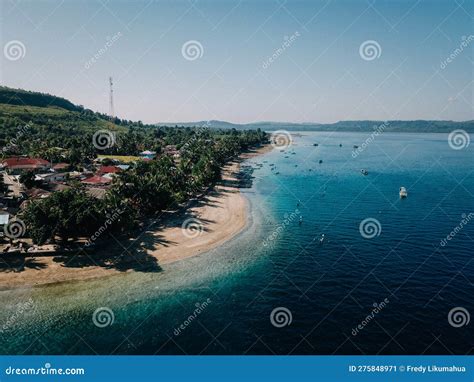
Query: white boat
403	192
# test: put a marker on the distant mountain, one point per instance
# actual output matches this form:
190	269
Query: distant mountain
420	126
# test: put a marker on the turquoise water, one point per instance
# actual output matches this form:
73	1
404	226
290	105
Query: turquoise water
277	262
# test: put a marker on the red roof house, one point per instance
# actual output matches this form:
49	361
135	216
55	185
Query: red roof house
27	164
97	180
108	170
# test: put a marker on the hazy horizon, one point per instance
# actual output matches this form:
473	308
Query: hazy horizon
243	62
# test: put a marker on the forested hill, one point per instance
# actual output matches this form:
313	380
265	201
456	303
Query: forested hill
23	97
43	125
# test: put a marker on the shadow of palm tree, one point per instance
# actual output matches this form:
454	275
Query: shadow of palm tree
19	263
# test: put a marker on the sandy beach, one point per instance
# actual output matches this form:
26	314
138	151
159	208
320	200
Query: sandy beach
211	220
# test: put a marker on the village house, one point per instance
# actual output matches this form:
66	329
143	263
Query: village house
171	150
18	164
148	154
97	181
52	177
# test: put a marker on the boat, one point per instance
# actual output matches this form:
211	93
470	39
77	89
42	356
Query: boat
320	161
277	172
301	220
403	192
315	144
340	144
355	146
364	172
321	240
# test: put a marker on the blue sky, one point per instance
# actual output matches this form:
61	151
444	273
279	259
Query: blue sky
319	76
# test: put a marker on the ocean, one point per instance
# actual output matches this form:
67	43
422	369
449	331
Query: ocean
384	278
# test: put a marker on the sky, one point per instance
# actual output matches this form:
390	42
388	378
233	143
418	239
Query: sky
246	61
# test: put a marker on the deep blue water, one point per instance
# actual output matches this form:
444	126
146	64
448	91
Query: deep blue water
328	287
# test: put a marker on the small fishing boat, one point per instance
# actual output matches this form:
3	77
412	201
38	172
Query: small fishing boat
403	192
315	144
321	240
320	161
355	146
277	172
340	144
301	220
364	172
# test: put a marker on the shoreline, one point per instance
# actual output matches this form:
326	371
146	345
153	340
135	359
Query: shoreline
219	215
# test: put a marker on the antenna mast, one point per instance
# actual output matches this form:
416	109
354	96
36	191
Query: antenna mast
111	99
